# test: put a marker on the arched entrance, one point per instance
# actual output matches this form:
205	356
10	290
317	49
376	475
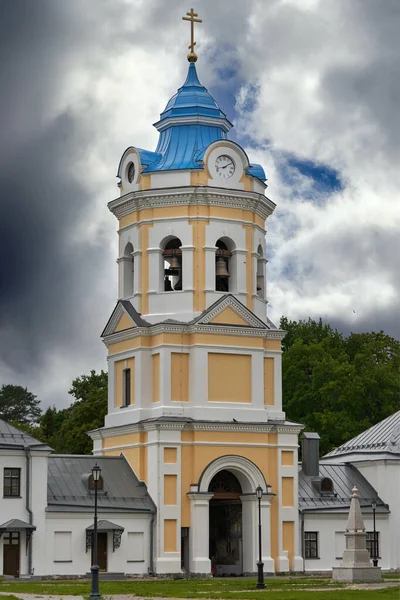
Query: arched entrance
225	524
203	511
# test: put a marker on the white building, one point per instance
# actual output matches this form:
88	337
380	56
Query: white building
371	462
46	508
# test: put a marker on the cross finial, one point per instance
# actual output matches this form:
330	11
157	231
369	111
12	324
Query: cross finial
191	16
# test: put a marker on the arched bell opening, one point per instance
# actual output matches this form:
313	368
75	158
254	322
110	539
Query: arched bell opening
260	273
225	524
172	261
128	270
223	265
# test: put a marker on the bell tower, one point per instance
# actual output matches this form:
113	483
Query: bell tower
194	362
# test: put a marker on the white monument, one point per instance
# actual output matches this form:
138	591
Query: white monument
356	564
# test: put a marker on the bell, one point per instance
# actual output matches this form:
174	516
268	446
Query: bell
220	269
174	264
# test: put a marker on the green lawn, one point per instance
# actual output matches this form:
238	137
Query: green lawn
287	588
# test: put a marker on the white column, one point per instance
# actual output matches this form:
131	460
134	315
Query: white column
137	292
209	252
199	561
187	268
254	260
155	272
239	262
266	534
250	533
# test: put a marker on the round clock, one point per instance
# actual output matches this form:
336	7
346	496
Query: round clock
225	166
131	172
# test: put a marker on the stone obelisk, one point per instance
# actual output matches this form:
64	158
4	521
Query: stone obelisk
356	564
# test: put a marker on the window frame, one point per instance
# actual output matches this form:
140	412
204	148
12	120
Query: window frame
12	477
369	541
309	543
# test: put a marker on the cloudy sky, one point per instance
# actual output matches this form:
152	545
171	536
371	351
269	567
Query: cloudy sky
313	88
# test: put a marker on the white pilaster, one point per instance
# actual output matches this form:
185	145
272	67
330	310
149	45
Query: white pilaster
187	268
209	252
199	561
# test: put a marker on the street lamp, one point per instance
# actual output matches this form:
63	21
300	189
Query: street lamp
260	564
374	552
95	594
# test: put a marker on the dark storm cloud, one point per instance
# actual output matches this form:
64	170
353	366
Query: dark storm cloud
43	279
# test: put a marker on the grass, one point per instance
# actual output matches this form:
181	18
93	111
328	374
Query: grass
288	588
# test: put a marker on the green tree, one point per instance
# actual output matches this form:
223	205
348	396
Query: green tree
19	406
86	413
335	385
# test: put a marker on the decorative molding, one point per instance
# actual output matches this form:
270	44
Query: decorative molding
238	308
192	196
224	124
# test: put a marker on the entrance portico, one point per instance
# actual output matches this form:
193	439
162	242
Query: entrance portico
249	477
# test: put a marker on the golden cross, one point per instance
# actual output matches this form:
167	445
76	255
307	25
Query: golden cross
191	16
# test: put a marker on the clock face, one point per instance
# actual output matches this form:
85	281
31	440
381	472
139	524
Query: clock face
131	172
225	166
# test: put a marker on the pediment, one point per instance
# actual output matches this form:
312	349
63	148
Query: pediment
230	311
123	317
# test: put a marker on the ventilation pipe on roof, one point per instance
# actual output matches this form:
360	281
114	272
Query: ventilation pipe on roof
28	503
310	454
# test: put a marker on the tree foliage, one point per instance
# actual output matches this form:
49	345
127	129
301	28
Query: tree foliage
19	406
336	385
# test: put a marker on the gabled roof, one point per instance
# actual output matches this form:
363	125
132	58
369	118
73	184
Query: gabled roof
124	307
384	437
67	486
344	477
226	305
13	438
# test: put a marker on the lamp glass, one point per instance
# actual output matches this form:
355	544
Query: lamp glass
96	472
373	504
259	492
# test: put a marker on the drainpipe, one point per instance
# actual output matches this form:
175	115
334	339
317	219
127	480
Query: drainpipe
28	504
151	559
302	538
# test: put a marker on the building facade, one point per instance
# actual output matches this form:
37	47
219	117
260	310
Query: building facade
195	397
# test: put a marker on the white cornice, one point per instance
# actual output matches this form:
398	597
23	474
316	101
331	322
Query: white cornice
224	124
208	196
265	427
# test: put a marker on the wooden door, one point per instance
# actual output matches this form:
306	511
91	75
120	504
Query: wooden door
102	550
11	553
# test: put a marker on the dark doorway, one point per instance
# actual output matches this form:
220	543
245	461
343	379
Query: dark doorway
11	553
101	550
225	525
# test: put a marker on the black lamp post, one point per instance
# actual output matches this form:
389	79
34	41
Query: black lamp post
374	552
95	594
260	564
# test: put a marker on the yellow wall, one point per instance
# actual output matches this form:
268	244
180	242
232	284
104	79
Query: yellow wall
199	269
170	535
287	491
125	322
119	367
288	540
179	376
269	381
170	455
170	490
229	317
229	377
136	456
287	458
156	377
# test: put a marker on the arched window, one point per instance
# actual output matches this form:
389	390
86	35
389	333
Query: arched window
225	485
260	273
172	258
223	256
326	485
128	266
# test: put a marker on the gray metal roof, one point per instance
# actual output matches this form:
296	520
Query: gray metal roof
16	525
384	437
12	437
344	478
67	488
104	525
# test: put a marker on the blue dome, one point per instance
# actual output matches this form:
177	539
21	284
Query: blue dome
192	99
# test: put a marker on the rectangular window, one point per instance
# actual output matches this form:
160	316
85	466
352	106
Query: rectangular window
311	544
12	482
135	550
62	546
127	386
11	538
370	544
